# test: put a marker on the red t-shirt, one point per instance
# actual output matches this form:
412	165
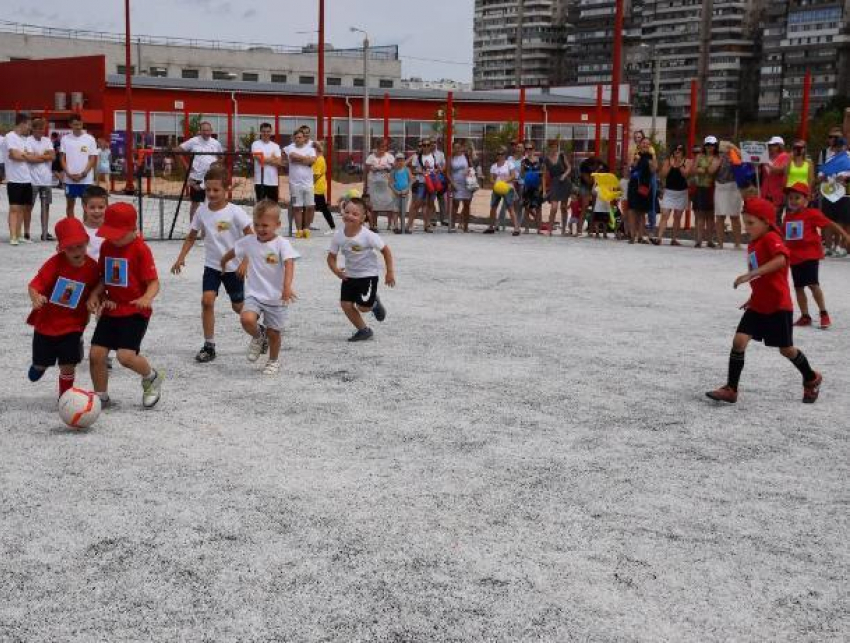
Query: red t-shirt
802	234
773	185
126	271
67	289
575	208
770	292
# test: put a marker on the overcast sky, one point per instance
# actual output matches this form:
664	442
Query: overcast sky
447	38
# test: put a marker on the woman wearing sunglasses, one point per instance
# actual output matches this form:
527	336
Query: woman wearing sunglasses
674	199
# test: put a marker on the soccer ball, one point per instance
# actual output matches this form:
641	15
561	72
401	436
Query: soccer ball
78	408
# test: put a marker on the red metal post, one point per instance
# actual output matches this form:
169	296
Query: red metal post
186	130
450	121
616	71
148	133
521	128
320	98
277	121
386	116
804	114
128	88
692	123
229	148
597	146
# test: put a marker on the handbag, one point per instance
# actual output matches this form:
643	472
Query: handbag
643	190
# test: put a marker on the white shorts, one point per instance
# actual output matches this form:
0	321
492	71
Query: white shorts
274	316
674	200
727	200
302	197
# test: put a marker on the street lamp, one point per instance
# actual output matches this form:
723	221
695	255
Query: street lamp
367	130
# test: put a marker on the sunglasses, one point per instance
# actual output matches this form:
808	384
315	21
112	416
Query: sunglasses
528	149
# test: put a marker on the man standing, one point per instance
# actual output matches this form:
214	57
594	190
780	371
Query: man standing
79	156
206	150
41	156
266	167
18	177
301	155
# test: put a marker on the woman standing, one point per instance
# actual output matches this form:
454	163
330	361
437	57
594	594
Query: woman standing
556	185
800	169
379	164
674	200
320	184
727	196
460	165
641	176
704	194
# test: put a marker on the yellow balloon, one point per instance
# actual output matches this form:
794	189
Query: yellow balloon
501	188
609	186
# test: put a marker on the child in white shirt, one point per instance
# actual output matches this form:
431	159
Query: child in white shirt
95	201
268	287
222	224
359	292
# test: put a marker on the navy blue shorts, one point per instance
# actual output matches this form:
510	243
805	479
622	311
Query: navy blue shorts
233	285
75	190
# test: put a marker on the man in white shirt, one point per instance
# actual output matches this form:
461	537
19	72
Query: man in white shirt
301	155
79	156
41	155
267	160
207	151
2	158
19	185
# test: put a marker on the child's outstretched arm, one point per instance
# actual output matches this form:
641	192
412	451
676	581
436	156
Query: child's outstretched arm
184	251
334	268
94	302
388	260
777	263
288	275
38	300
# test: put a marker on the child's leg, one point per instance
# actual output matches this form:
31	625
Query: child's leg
817	293
249	319
802	301
208	315
736	359
98	369
353	314
800	362
274	343
134	361
66	377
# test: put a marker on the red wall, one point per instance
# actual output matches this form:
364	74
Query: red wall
31	84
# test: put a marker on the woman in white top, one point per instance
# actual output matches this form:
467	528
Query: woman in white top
461	165
422	202
504	171
378	167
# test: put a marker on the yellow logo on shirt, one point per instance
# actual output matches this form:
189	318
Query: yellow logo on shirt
84	148
355	248
222	226
272	258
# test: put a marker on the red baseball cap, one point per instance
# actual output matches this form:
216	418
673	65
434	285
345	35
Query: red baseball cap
761	209
799	187
118	220
70	232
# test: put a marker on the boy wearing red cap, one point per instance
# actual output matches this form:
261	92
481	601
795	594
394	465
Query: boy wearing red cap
769	311
802	229
59	313
124	297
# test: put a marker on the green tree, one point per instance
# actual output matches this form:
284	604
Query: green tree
194	124
246	140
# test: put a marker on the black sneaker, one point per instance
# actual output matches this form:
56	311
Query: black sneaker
361	335
206	354
378	310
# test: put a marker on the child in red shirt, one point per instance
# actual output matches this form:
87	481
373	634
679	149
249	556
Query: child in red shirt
769	311
129	283
59	315
802	228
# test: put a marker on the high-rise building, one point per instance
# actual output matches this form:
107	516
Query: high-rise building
502	58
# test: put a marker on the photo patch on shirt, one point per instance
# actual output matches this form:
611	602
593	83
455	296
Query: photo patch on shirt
793	230
753	261
355	248
67	293
272	258
116	272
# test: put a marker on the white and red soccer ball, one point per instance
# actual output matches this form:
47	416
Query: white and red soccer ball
78	408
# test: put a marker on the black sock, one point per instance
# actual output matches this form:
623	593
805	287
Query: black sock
802	365
736	365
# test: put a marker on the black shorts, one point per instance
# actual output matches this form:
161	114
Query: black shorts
360	290
120	333
805	274
20	193
233	285
269	192
774	329
196	195
49	350
703	200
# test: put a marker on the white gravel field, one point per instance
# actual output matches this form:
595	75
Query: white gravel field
523	453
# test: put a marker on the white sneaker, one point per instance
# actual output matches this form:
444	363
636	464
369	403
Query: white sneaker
272	367
255	348
152	389
13	241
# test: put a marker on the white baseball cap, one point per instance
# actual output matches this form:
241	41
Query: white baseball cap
776	140
710	140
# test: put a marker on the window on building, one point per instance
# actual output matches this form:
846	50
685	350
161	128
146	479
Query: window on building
278	78
159	72
334	81
386	84
189	73
223	75
305	80
121	69
250	77
358	82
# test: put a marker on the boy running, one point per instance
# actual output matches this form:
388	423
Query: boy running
769	311
124	298
79	156
359	291
268	287
802	236
223	224
58	293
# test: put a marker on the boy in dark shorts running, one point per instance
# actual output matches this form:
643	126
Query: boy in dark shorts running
769	311
359	292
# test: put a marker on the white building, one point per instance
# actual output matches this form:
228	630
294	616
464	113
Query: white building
444	84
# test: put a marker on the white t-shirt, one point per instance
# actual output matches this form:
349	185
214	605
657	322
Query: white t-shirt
202	162
265	267
16	171
440	159
41	174
427	163
502	172
95	242
77	151
358	251
223	228
265	175
2	149
300	175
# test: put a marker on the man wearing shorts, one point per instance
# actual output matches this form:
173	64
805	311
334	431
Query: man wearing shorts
266	163
79	156
40	149
206	151
301	156
18	181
